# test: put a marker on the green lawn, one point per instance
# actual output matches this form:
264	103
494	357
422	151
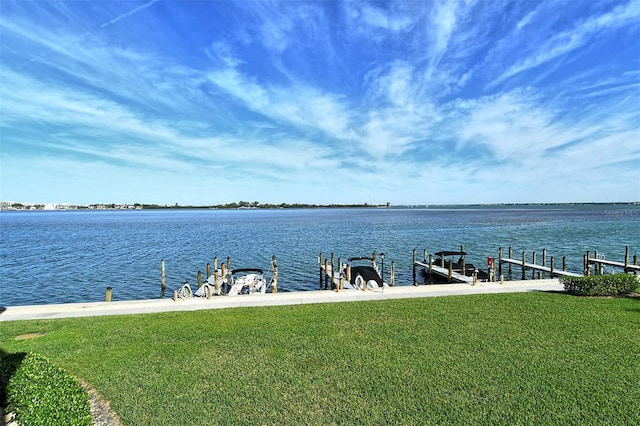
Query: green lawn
523	358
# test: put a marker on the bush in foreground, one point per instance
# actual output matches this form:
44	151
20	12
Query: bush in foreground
601	285
42	393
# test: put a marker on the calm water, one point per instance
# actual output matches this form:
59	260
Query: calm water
72	256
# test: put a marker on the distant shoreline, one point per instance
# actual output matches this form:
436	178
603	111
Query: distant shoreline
242	205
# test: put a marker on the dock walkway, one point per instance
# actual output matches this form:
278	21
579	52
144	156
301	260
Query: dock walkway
14	313
444	272
540	268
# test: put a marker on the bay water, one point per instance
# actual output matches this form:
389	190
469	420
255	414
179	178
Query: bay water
73	256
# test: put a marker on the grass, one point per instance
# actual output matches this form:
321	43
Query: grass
524	358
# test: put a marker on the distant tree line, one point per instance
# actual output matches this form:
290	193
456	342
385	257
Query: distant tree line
258	205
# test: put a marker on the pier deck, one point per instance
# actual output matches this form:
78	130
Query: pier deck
327	271
444	272
627	267
541	268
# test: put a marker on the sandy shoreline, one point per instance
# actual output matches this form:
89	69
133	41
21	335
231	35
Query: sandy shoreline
67	310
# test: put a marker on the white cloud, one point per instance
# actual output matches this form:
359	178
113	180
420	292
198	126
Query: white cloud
572	39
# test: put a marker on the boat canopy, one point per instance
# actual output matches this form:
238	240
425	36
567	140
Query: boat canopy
247	270
351	259
450	253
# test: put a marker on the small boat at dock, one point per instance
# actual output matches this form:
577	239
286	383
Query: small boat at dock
237	282
451	267
360	273
359	276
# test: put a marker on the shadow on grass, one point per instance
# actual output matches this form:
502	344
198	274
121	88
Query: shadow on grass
9	363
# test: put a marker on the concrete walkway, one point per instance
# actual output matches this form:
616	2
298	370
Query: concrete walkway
14	313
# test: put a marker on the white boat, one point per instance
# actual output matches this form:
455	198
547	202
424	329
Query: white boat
359	276
239	281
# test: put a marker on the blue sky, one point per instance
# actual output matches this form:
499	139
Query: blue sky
408	102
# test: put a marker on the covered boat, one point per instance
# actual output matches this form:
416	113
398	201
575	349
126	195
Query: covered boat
450	266
358	276
239	281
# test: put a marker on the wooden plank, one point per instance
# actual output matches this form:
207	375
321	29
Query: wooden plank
539	267
614	263
336	278
445	273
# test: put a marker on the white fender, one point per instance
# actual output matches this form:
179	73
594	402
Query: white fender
359	284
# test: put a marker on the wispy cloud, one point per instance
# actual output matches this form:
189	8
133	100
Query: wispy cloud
283	101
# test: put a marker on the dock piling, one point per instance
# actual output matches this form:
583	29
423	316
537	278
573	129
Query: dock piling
320	267
415	282
393	273
163	283
274	272
107	296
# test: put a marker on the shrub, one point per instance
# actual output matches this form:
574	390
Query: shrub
42	393
601	285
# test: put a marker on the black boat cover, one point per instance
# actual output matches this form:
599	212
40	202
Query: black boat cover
366	272
450	253
248	270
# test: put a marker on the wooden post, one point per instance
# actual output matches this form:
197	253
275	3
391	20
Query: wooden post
320	267
199	279
341	284
552	266
215	263
626	258
208	292
216	285
500	261
333	272
326	275
208	270
163	283
450	271
533	274
424	256
107	296
274	276
373	260
464	269
510	257
228	264
223	272
348	269
175	295
586	265
430	268
415	283
564	263
393	273
635	263
524	259
544	257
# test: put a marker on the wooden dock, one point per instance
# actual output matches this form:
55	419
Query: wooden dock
452	276
329	275
534	266
599	262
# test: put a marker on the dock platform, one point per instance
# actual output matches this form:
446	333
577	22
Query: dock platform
541	268
444	272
